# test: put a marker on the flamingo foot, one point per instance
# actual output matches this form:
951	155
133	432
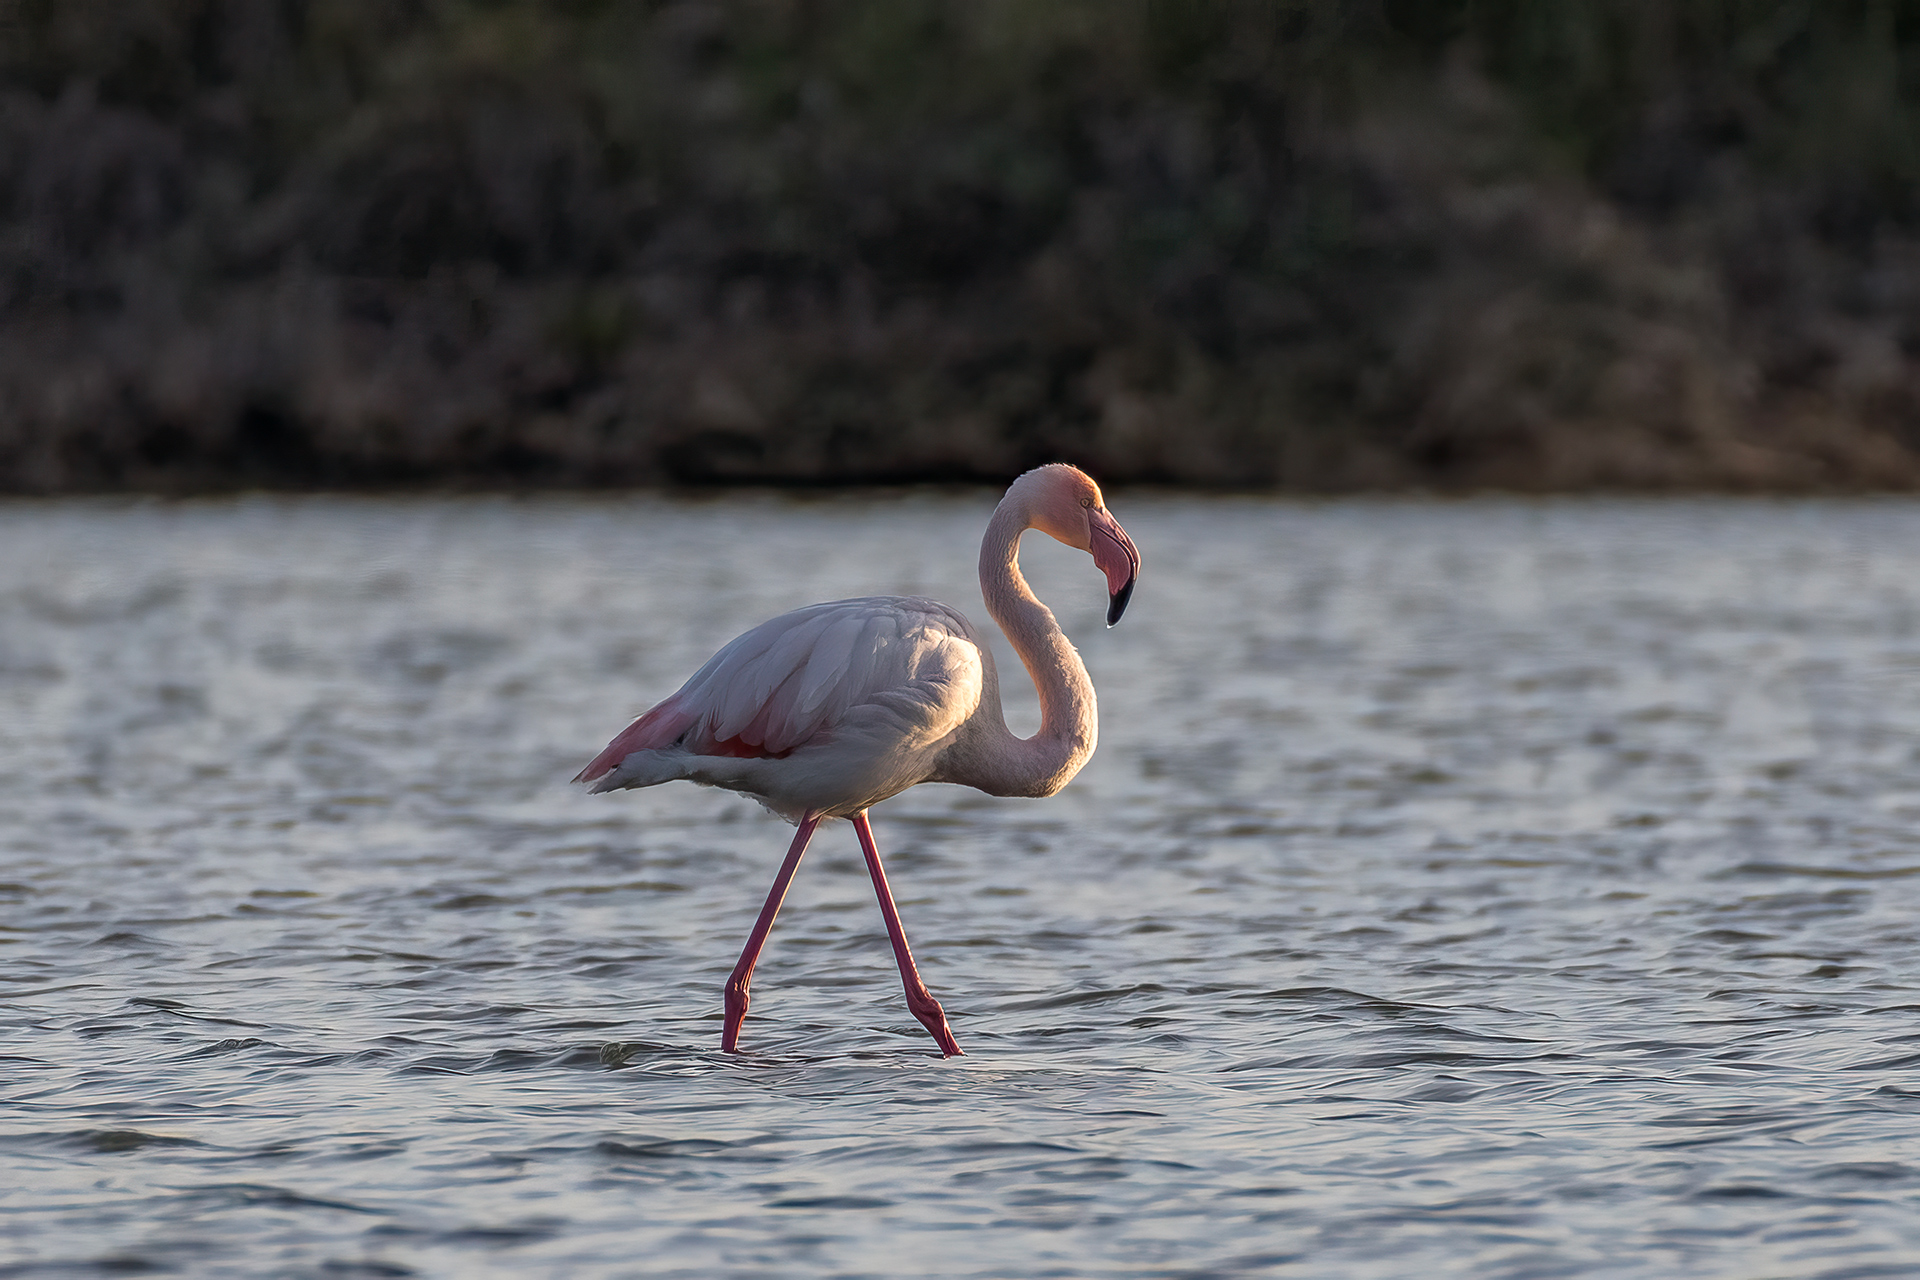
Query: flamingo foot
934	1019
919	999
737	1001
742	977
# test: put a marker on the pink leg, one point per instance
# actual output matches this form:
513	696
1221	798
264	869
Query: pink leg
743	972
919	999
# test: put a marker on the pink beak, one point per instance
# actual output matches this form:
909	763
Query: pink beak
1117	557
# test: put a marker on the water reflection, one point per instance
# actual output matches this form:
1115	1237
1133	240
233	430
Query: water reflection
1499	888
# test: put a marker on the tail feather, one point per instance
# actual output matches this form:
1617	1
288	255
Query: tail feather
660	727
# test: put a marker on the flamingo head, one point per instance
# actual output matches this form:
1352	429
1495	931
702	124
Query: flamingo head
1064	503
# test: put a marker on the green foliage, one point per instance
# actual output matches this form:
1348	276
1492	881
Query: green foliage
1820	95
1239	241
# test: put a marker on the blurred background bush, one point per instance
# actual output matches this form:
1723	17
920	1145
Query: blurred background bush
1315	244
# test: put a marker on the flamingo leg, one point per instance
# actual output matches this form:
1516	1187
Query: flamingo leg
919	999
742	978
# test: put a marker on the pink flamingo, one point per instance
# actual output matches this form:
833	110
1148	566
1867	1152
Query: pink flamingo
828	710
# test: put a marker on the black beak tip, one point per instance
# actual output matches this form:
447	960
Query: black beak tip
1117	603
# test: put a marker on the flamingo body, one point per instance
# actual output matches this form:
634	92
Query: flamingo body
827	710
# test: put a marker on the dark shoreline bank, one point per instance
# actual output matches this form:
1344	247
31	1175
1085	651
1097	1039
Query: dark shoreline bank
1322	248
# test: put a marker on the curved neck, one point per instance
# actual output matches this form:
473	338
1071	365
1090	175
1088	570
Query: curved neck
1069	720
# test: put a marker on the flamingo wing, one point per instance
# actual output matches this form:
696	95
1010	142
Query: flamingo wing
790	681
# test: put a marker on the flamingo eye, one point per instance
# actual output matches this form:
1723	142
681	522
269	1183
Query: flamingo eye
1087	503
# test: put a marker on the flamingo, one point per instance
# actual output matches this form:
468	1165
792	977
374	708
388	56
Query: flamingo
828	710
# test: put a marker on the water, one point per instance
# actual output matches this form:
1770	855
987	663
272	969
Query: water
1492	889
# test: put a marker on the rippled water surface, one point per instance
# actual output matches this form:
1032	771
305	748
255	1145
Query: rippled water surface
1491	889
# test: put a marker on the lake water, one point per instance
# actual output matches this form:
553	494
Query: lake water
1489	889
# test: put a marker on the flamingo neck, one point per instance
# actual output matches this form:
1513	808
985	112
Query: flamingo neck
1069	721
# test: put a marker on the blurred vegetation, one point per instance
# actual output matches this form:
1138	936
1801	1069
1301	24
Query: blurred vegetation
1321	244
